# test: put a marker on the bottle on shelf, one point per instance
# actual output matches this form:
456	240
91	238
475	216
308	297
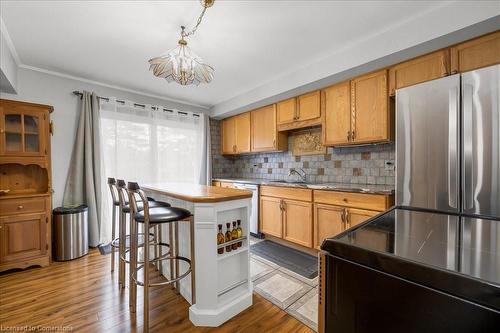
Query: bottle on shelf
240	231
220	239
228	237
234	235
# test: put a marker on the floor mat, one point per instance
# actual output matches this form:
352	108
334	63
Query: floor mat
301	263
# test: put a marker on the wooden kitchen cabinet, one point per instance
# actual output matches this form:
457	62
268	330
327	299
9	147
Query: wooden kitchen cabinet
286	111
242	128
336	103
477	53
425	68
328	222
370	108
228	136
235	134
24	129
357	216
25	181
309	106
265	135
23	237
271	219
299	112
297	222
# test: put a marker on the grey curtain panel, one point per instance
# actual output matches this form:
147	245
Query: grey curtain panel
206	152
86	173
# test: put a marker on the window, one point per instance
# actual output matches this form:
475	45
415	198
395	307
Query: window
146	146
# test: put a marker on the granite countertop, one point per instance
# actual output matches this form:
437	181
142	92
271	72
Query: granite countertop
358	188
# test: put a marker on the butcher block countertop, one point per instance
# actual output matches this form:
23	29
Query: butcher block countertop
197	193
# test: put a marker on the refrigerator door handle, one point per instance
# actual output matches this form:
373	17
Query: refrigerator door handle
453	126
468	190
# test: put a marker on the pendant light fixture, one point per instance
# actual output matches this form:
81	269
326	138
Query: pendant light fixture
182	65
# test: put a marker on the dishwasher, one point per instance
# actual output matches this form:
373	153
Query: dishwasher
254	213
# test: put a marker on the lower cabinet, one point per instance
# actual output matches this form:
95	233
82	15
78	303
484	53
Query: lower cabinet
271	216
306	217
23	237
329	220
297	222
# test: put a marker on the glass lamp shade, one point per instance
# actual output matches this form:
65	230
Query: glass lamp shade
182	66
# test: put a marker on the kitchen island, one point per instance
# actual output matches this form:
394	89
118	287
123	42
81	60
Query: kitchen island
222	285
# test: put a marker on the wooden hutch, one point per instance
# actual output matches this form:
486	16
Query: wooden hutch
25	185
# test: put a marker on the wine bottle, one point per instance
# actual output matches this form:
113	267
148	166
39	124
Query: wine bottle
228	236
220	239
234	235
240	231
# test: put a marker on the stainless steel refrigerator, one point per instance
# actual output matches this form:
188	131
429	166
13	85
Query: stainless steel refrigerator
448	144
448	160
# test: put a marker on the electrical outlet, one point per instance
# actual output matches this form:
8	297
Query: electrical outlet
389	165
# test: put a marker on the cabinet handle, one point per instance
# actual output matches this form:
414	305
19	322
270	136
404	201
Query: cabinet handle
348	219
51	128
274	143
20	207
352	135
349	136
342	218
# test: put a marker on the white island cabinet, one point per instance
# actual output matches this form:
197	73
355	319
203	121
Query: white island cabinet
222	281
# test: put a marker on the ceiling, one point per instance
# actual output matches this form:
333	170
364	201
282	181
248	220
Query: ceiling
249	43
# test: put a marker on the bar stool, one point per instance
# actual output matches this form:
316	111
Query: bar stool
115	204
152	217
124	209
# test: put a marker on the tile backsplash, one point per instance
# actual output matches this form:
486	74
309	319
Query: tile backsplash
355	165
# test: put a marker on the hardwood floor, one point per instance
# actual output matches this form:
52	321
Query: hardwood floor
82	295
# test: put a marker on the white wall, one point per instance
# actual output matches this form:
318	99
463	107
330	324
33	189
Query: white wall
43	88
8	66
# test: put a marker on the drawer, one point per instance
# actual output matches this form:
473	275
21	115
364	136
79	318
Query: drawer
22	206
226	185
378	202
301	194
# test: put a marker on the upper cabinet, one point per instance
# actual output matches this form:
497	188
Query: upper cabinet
236	134
242	135
254	131
337	114
23	129
480	52
286	111
228	136
265	136
370	116
357	112
428	67
302	111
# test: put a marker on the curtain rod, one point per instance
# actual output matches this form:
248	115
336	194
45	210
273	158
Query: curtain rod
156	108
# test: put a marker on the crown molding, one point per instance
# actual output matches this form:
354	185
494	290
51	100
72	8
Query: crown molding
10	44
112	86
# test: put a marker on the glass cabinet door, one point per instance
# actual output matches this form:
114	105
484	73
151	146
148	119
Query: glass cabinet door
13	133
22	133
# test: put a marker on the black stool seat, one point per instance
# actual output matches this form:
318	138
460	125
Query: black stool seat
140	205
164	215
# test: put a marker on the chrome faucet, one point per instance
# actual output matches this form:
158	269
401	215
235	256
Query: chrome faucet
302	176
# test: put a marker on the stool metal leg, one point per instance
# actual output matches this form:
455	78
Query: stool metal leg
176	226
113	228
171	243
192	255
121	252
157	247
133	265
160	237
146	275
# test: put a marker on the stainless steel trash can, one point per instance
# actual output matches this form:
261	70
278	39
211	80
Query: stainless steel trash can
70	232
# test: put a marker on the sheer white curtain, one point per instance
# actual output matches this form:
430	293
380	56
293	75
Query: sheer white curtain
146	145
